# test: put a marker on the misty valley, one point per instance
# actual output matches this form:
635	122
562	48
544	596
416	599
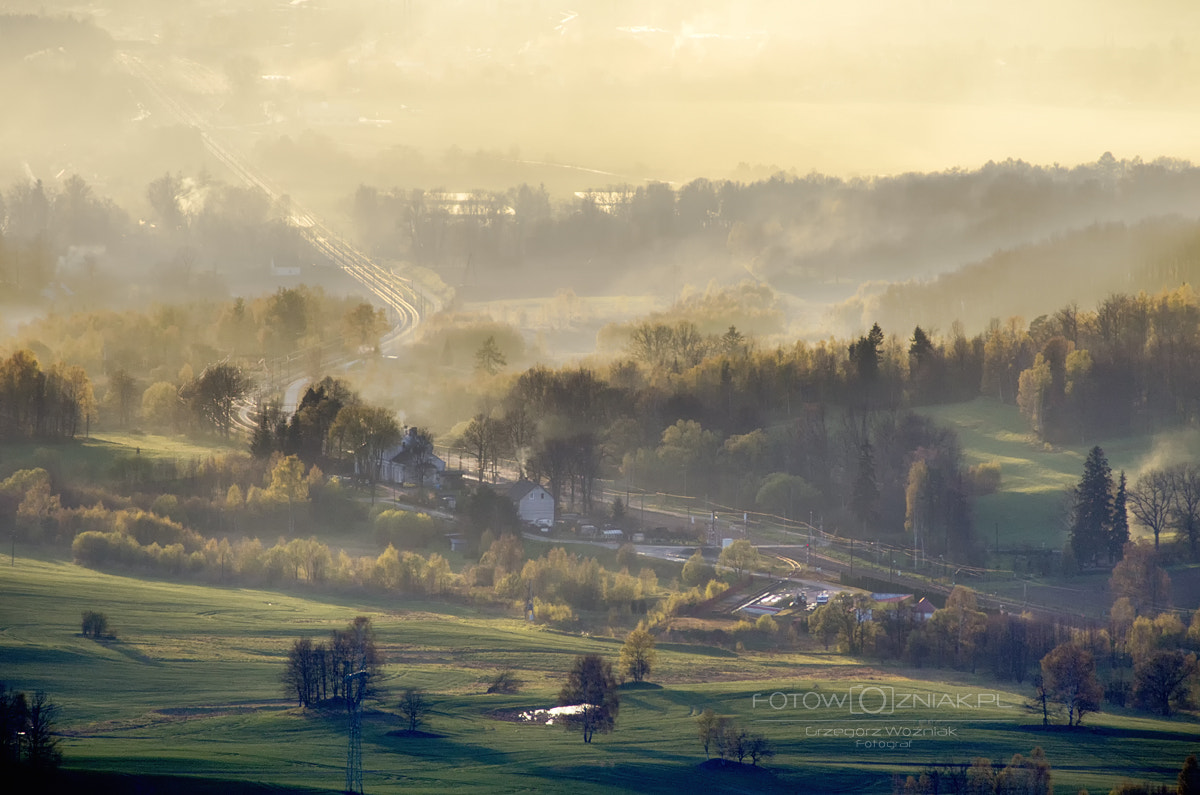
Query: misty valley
496	396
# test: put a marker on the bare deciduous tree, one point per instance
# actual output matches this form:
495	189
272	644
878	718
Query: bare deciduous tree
414	707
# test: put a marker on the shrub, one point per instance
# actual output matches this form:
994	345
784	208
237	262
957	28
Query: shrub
714	589
983	479
766	624
404	529
149	528
552	613
1117	692
697	571
626	556
94	548
480	576
94	625
504	682
167	505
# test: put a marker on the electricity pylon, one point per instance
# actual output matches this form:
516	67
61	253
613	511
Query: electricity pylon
354	700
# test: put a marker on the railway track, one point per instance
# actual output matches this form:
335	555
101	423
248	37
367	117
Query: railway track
392	291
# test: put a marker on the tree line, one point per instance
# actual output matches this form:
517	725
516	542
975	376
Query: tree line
38	225
59	242
178	367
28	742
1128	366
824	427
797	432
42	404
1021	775
946	218
1083	265
1145	656
333	425
47	510
115	533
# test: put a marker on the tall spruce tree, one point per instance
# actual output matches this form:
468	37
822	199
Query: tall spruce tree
1091	518
866	488
1118	528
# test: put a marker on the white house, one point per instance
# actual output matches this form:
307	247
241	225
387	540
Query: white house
534	504
408	463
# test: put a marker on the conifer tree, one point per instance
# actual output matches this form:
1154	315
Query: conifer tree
866	488
1091	518
1118	531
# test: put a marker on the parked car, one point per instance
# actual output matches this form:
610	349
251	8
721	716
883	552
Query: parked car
823	598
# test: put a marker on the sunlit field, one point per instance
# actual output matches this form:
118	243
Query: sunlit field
1029	508
190	686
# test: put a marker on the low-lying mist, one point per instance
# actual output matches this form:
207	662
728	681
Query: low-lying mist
854	157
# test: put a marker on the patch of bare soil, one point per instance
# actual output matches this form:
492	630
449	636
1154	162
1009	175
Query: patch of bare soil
822	673
168	715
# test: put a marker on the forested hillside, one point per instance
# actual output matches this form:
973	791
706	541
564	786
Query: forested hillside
812	235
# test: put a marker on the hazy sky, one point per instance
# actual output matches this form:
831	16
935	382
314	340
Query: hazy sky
676	89
861	87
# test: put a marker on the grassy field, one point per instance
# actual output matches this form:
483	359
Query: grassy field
93	459
1029	507
190	687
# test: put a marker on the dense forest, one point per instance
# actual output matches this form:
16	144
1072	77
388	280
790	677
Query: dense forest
1080	233
67	247
828	428
800	430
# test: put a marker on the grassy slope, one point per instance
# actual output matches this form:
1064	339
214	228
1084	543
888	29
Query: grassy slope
191	688
92	459
1029	507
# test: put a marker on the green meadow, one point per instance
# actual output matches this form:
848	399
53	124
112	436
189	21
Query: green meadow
1029	507
190	687
97	457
